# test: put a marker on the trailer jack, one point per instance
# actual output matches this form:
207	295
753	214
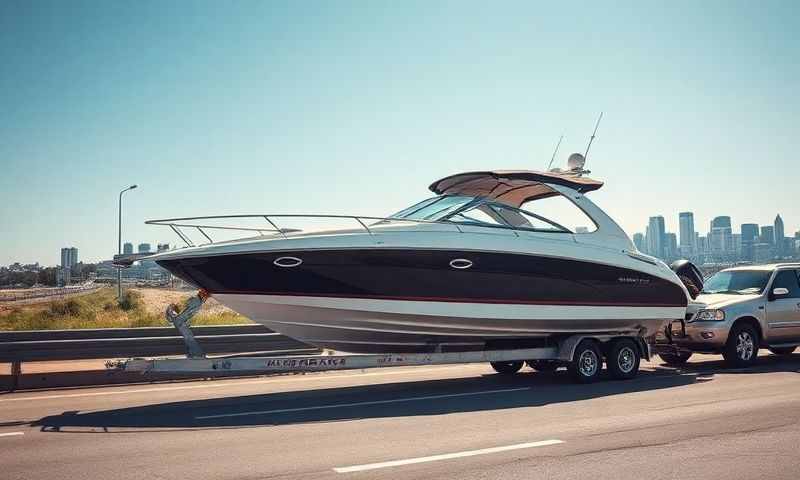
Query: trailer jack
182	322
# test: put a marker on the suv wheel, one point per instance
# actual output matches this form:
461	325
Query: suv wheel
742	347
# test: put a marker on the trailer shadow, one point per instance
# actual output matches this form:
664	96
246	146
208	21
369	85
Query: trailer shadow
401	399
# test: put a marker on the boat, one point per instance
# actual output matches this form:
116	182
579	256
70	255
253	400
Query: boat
479	265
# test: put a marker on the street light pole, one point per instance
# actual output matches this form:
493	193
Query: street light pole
119	243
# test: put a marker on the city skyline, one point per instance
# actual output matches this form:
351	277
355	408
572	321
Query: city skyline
721	242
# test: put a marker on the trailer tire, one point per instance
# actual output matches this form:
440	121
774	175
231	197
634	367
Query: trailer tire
543	366
623	359
587	362
506	368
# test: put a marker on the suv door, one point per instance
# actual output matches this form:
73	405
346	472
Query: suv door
783	311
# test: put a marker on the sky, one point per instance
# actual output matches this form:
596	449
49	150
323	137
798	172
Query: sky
340	107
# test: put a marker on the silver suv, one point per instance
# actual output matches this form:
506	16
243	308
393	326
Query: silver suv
739	311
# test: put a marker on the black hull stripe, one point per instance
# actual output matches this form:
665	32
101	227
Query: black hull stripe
427	275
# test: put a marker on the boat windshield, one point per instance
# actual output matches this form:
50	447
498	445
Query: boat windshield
478	211
436	208
737	282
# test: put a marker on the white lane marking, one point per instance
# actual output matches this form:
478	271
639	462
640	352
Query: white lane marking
11	434
357	404
223	384
445	456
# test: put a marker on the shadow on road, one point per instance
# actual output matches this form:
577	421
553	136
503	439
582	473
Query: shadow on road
346	403
766	363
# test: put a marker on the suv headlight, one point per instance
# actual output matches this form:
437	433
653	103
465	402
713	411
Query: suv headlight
712	315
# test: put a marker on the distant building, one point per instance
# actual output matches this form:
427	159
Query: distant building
638	240
127	248
655	236
749	238
144	248
763	252
670	246
768	235
163	247
69	257
721	222
687	233
780	236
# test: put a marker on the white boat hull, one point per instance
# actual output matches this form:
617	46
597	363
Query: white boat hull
361	325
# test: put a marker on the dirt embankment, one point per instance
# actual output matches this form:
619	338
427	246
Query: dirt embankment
156	300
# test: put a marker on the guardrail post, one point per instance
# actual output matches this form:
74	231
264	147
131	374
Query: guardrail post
16	372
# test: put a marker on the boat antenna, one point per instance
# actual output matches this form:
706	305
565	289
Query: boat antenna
593	135
554	153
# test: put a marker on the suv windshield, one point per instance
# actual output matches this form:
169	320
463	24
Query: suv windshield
738	282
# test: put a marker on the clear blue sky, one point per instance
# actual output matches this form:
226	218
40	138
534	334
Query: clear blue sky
355	107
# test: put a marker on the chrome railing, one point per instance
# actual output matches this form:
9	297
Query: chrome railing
201	224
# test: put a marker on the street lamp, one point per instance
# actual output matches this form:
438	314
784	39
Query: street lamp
119	243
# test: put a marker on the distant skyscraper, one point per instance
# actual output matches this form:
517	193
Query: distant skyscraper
780	235
721	222
686	224
127	248
655	237
163	247
638	240
69	257
144	248
768	234
670	245
720	237
749	238
749	233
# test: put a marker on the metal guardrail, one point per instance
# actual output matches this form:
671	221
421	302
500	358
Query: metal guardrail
51	345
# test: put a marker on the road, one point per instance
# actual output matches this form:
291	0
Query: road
449	422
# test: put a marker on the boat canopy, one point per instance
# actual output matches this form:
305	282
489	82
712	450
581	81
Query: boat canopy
512	187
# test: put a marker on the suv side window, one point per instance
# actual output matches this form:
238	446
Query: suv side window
787	279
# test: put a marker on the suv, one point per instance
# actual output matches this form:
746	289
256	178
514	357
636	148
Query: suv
739	311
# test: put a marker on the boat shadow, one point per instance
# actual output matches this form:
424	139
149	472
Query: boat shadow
400	399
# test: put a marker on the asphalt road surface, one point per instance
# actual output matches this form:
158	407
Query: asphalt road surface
459	422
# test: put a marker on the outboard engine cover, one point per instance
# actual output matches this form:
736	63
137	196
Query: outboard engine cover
690	275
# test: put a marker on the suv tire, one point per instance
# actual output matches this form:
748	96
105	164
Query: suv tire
741	350
506	368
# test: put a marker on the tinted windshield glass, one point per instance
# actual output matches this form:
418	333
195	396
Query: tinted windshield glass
738	282
434	210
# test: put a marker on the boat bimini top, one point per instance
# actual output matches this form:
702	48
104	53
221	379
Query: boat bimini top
512	187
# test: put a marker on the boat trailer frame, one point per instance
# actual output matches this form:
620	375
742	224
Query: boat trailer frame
197	362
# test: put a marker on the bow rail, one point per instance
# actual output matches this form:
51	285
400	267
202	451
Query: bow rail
271	225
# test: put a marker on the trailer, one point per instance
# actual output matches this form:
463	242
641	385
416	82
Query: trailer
583	355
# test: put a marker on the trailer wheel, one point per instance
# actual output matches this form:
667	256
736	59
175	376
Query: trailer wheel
587	362
623	359
544	366
506	368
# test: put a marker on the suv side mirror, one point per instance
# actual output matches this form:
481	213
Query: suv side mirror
779	292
